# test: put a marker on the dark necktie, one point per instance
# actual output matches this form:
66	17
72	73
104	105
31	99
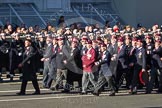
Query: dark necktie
131	51
27	51
118	50
101	54
53	49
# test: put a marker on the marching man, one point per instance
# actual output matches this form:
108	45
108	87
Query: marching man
88	60
105	75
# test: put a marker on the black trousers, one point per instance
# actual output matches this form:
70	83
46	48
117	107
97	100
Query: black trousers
129	76
120	75
135	79
24	84
71	77
155	72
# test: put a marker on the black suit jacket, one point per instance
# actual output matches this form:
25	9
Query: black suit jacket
82	49
113	64
74	62
40	46
29	71
131	56
149	49
141	57
60	57
104	63
113	49
122	57
48	51
157	54
53	56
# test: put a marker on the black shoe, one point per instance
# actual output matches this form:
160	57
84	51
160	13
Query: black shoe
148	91
112	94
11	78
20	93
1	80
132	92
65	91
96	93
36	93
83	93
140	87
8	75
45	87
41	73
159	91
116	89
21	77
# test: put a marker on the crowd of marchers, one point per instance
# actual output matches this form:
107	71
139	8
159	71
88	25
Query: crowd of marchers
93	56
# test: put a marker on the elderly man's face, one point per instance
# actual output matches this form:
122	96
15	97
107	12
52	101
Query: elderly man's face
134	43
113	41
89	46
27	43
139	44
148	40
120	43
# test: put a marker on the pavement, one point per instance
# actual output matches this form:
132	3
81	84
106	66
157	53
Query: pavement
56	99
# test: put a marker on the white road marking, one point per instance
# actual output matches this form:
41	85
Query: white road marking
43	98
10	91
55	96
29	90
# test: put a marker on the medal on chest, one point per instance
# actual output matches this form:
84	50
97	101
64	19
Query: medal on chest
140	55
